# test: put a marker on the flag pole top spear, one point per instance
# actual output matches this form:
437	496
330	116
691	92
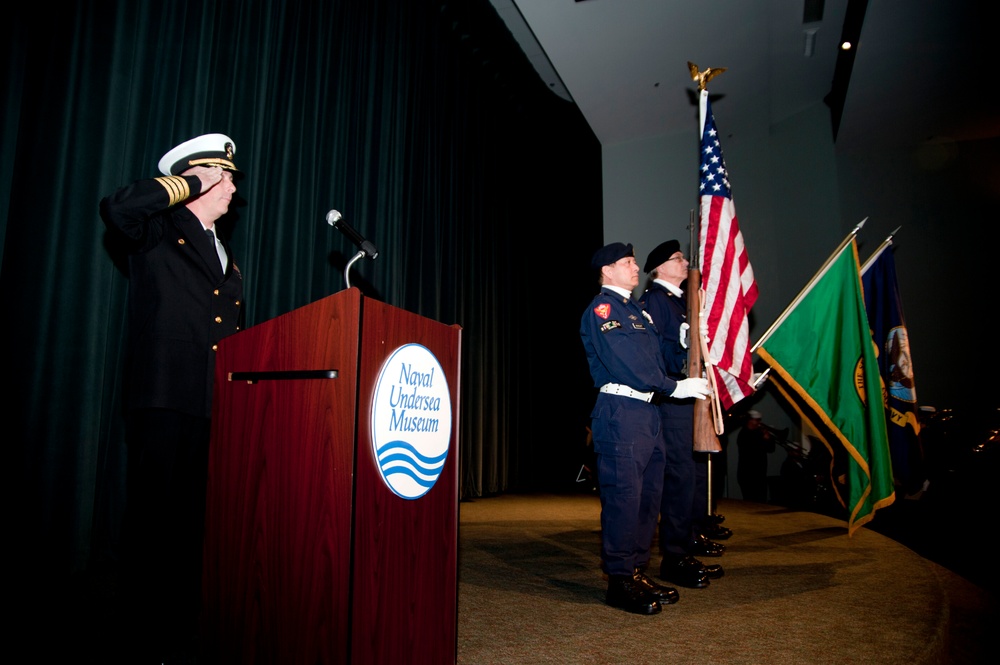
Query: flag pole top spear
878	250
703	77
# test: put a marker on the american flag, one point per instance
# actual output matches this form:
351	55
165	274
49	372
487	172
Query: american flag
726	276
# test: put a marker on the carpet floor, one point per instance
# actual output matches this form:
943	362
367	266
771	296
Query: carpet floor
796	589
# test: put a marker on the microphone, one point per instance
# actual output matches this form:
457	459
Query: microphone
335	219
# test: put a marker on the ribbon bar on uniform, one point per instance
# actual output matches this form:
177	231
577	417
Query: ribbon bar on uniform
625	391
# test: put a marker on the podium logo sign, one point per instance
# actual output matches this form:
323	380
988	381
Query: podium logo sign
411	421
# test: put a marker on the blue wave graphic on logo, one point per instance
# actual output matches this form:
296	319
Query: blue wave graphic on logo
399	457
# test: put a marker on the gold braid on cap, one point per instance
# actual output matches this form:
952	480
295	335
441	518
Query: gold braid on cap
176	186
212	161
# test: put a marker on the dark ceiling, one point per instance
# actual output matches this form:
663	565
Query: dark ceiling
915	73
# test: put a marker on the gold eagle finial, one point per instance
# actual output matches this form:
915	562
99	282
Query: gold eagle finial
704	77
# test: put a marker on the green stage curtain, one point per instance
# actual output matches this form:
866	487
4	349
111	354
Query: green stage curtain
421	122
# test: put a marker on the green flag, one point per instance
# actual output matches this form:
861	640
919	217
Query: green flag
823	350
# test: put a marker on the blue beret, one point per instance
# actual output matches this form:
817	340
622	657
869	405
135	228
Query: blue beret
608	254
661	253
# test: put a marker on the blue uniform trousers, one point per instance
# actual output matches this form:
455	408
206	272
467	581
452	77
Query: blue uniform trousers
678	499
628	444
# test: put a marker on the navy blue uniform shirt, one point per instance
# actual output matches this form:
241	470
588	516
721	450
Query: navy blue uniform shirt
621	345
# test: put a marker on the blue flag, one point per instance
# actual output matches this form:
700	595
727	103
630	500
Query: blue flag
885	317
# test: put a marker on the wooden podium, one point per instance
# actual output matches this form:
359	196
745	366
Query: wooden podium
309	556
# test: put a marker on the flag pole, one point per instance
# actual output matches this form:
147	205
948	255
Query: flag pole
705	427
760	378
730	289
708	423
703	77
808	287
717	420
879	250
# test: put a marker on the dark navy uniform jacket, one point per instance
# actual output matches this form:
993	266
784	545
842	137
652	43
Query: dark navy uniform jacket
668	312
180	302
621	345
681	490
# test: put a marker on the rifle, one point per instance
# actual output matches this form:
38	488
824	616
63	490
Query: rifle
706	439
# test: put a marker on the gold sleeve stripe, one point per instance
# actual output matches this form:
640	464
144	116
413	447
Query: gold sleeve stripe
176	186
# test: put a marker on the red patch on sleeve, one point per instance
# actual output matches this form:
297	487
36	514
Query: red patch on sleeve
603	310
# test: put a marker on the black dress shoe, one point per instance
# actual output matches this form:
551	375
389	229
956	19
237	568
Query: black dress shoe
716	532
627	593
665	594
712	571
684	571
715	518
705	547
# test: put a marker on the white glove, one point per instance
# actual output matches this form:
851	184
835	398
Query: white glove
684	335
693	387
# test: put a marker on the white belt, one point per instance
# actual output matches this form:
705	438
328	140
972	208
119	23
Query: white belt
625	391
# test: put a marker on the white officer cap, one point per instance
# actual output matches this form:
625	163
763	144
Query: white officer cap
205	150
